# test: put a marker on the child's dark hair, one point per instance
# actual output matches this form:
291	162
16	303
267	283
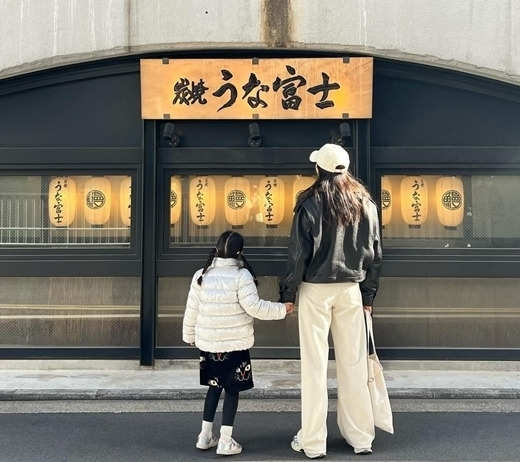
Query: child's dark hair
230	245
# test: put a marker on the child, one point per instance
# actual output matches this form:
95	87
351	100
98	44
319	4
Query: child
222	302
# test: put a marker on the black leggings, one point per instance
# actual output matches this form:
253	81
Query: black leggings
229	409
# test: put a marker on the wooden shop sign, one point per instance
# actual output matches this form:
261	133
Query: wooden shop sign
328	88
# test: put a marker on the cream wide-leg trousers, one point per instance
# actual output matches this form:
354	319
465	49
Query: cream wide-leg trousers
336	307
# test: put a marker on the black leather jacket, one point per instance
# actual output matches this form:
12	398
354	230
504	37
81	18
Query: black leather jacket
324	253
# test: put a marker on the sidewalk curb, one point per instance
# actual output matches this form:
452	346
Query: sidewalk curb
256	393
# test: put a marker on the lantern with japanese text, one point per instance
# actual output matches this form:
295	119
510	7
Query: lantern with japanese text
202	200
97	201
301	184
237	194
175	200
125	201
414	200
386	200
449	199
271	197
62	201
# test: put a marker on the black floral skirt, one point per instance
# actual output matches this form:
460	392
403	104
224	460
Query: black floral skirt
230	371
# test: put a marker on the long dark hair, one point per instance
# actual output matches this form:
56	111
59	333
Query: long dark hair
230	245
345	198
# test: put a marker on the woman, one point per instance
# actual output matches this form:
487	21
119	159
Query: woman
335	256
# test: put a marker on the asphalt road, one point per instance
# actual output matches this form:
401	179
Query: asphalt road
157	432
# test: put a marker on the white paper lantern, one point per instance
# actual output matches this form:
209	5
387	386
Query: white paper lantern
301	184
449	198
271	195
414	200
386	200
62	201
97	201
175	200
237	195
202	200
125	201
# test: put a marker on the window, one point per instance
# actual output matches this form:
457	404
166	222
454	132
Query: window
69	311
260	207
65	211
474	211
444	312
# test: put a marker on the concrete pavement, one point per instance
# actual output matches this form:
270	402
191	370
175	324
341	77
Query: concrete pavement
178	379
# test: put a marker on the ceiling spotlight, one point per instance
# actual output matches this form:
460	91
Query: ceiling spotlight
169	135
255	138
344	134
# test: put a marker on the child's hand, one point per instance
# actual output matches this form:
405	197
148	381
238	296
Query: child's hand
289	307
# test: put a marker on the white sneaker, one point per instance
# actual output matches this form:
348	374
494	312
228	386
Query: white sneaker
295	444
228	449
205	442
363	451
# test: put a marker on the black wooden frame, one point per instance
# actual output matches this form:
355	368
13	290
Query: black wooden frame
453	262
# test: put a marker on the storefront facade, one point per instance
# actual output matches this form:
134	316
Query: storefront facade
98	240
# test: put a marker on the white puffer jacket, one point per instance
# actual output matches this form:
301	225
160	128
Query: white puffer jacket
219	313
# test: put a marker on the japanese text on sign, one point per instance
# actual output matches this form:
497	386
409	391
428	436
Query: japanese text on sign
268	89
416	198
58	200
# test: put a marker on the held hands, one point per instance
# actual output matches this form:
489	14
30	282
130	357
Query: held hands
368	309
289	307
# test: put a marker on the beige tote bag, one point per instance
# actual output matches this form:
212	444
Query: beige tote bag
377	385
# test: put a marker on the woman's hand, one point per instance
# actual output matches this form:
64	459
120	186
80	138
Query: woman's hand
289	307
368	309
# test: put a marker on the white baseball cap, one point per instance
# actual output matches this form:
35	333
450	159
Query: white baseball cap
331	157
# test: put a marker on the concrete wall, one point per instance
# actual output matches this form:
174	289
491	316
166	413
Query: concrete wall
476	36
